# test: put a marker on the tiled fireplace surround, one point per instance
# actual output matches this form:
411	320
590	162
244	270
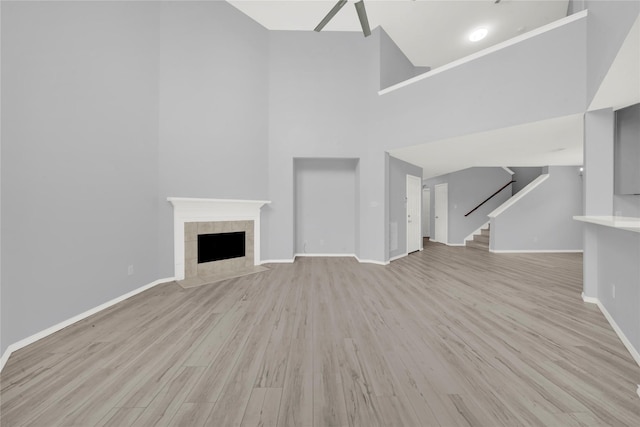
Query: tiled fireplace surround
207	216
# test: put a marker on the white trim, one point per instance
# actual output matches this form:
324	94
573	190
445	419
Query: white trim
203	210
477	232
371	261
509	171
278	261
537	251
398	257
456	244
590	300
324	255
519	195
616	328
292	260
55	328
530	34
638	390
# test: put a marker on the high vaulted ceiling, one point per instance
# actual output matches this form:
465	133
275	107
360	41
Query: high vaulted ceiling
429	32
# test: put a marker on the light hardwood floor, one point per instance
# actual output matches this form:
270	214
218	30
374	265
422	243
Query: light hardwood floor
444	337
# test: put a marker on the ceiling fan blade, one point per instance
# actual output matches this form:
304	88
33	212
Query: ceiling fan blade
362	15
330	15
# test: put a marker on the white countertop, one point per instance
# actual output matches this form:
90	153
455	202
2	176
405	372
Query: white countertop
619	222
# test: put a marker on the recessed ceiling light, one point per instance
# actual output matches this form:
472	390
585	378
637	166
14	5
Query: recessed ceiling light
478	34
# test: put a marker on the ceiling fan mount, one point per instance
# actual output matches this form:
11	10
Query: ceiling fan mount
360	9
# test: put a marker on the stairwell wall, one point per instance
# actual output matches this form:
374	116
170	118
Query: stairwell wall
542	221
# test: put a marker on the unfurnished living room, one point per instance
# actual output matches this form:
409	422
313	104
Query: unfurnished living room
320	213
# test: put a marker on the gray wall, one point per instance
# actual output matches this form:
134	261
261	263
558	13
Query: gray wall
322	103
394	65
79	158
543	219
468	188
322	89
213	109
609	23
618	253
523	177
325	203
397	204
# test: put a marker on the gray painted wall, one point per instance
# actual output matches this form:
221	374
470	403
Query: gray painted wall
627	151
523	176
337	113
618	253
543	219
397	205
598	162
395	67
325	203
79	158
213	109
609	23
322	89
468	188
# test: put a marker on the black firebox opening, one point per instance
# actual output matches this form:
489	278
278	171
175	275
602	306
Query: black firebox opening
215	247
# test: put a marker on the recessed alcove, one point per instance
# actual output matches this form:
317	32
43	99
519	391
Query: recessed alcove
326	193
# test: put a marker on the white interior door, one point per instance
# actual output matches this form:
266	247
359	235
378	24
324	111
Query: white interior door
414	193
426	212
441	210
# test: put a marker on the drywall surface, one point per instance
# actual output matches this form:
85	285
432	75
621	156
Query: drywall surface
79	158
627	151
397	204
394	65
467	189
626	205
523	177
543	219
598	162
213	93
609	23
322	90
618	274
325	203
539	78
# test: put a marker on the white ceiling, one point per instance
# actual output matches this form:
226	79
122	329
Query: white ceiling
429	32
549	142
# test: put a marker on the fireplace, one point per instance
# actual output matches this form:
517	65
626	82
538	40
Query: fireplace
215	238
219	246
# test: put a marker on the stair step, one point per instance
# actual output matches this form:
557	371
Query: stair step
481	239
485	232
478	245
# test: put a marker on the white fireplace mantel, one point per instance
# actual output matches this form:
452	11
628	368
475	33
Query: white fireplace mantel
202	210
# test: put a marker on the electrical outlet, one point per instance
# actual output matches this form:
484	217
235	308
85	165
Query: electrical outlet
130	270
613	291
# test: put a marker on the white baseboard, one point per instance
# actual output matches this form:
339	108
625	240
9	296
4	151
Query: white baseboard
371	261
289	261
616	328
55	328
590	300
324	255
537	251
398	257
456	244
277	261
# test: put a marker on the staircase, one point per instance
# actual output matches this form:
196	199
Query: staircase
480	241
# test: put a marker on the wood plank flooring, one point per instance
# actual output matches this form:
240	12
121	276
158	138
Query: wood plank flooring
448	336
